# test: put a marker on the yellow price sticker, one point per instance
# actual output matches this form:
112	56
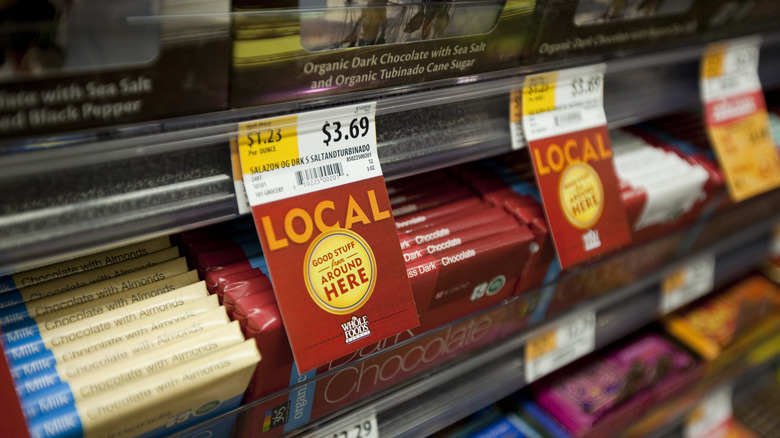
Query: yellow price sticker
712	65
696	415
540	346
539	93
674	281
516	106
268	144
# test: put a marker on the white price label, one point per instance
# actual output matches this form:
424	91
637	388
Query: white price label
558	103
294	155
730	68
241	199
774	251
688	283
711	414
356	427
573	338
238	179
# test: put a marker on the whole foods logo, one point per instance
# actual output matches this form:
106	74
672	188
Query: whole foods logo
339	271
356	328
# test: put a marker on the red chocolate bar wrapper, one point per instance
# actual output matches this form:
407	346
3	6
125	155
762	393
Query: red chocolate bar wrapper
217	274
350	380
459	207
211	260
539	261
431	189
264	325
512	201
223	282
248	305
222	229
414	183
194	249
459	238
529	212
433	200
484	182
441	228
462	280
236	291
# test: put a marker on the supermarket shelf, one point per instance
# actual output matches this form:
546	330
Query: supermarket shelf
617	314
428	399
64	201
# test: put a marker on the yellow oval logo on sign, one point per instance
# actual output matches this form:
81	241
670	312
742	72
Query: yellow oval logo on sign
339	271
581	195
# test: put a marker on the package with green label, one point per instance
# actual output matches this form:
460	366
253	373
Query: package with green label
314	48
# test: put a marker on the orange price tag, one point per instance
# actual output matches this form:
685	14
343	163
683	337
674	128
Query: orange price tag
573	337
540	346
674	281
687	284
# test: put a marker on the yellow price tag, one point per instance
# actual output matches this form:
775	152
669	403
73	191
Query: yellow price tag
674	282
268	144
515	106
540	346
539	93
696	415
712	64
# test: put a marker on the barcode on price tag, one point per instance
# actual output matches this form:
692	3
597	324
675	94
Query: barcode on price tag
573	338
364	426
688	283
713	413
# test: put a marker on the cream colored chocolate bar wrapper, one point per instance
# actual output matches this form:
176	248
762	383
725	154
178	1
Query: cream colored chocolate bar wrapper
87	358
129	317
85	278
93	375
102	306
194	318
81	264
156	404
136	329
33	308
127	372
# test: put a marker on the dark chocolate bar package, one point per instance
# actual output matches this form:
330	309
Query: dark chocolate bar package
566	28
727	17
73	64
314	48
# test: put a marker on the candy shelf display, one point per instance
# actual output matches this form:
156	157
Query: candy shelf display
125	151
